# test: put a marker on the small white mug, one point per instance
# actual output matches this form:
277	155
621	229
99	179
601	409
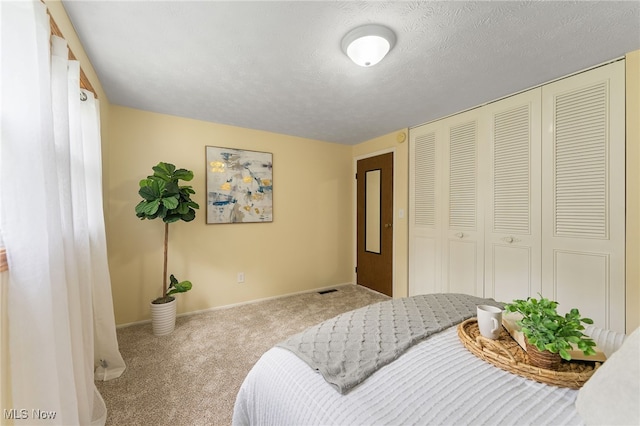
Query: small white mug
489	321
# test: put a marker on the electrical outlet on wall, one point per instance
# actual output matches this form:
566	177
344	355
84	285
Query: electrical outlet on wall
240	277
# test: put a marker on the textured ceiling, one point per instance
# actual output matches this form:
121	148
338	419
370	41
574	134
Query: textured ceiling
277	66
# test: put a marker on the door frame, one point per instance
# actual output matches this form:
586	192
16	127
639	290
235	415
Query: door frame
354	186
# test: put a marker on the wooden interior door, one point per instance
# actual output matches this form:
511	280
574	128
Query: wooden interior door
375	223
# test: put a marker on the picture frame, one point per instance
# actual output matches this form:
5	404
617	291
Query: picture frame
239	185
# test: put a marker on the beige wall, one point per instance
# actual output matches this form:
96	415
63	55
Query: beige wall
307	246
633	190
398	143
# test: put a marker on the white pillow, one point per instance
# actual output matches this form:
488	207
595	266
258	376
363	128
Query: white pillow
608	341
612	395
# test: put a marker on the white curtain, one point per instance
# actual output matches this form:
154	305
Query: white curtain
60	313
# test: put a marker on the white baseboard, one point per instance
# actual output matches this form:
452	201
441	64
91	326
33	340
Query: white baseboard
248	302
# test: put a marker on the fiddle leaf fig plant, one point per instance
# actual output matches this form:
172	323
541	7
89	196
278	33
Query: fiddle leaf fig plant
547	330
163	197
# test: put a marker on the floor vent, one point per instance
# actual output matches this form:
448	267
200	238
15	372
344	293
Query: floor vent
327	291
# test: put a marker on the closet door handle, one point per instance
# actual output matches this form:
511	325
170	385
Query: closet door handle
510	240
460	235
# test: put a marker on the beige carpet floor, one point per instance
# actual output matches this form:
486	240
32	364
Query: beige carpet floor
192	376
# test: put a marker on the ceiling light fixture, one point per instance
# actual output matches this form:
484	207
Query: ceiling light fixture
368	44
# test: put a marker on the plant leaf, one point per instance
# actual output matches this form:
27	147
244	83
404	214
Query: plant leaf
189	216
172	280
164	170
171	188
148	192
147	207
183	208
180	287
574	339
145	182
183	174
170	202
170	218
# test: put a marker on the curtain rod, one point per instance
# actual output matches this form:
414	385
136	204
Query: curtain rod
84	81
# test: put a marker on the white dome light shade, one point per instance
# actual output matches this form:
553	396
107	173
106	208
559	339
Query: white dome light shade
367	51
367	45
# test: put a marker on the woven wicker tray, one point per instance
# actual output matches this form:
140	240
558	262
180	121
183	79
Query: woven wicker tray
506	354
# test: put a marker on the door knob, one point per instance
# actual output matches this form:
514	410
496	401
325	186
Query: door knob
459	235
510	240
387	225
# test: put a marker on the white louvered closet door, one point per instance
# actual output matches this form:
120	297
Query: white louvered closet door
583	188
425	224
513	222
463	243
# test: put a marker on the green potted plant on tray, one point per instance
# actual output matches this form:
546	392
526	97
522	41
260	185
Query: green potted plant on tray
163	198
550	336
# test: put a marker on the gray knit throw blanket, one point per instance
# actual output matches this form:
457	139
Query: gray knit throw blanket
350	347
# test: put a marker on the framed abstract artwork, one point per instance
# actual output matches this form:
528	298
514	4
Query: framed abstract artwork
239	185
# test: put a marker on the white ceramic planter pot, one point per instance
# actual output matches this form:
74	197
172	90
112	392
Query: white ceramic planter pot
163	317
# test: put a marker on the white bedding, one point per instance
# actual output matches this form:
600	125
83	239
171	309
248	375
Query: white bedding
436	382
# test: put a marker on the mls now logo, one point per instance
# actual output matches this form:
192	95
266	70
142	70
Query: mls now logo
15	414
23	414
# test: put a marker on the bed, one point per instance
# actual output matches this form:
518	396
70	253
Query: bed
434	381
